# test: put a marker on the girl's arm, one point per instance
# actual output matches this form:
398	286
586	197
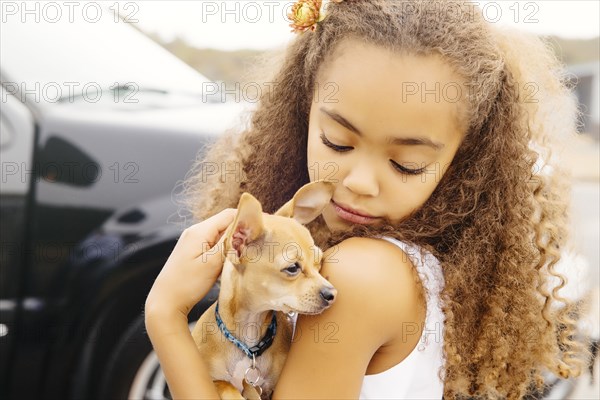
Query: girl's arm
187	276
185	371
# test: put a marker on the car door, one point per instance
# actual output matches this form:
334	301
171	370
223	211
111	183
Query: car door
17	132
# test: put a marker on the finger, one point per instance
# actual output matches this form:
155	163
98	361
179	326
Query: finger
211	262
218	223
202	236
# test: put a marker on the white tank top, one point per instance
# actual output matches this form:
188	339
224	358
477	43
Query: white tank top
416	377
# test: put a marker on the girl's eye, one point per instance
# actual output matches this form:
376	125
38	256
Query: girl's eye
405	170
335	147
397	166
293	269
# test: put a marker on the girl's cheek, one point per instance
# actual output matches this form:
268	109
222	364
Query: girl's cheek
314	162
315	155
320	167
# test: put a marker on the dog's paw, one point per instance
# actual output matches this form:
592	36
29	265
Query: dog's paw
228	391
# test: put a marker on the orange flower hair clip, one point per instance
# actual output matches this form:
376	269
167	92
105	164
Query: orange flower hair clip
306	14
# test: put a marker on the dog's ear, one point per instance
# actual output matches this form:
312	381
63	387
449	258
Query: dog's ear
308	202
246	227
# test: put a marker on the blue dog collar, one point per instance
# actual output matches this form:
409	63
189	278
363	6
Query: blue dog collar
254	351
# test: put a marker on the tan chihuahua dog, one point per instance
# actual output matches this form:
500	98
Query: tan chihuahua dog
271	268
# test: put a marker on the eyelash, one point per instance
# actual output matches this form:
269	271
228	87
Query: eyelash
343	149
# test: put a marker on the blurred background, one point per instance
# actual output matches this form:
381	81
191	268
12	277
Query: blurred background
105	106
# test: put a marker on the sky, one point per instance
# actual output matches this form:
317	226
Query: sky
247	24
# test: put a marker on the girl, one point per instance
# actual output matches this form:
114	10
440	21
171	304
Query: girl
434	126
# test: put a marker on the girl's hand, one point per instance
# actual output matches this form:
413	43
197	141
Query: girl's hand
192	268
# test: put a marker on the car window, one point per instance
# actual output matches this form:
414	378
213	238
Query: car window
56	59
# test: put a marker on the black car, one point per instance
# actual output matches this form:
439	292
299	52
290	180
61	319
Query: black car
99	125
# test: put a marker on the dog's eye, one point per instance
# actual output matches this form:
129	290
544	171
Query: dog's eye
293	269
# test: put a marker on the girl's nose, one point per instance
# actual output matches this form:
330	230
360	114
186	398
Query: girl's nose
362	180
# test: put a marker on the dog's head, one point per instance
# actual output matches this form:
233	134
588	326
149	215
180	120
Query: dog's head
275	255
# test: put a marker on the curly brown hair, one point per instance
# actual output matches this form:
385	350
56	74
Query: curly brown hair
495	221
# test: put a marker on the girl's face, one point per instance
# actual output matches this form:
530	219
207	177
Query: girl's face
384	127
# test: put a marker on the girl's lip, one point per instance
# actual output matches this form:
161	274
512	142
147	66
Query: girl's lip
351	216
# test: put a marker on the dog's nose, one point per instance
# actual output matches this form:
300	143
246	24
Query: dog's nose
328	294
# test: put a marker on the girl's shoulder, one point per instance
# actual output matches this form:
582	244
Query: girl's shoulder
373	260
375	279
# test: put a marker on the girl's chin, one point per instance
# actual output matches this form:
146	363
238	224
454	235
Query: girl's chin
333	222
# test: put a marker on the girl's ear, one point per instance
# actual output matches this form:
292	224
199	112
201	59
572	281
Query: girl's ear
246	227
308	202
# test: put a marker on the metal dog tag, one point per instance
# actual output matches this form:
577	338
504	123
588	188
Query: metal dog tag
251	392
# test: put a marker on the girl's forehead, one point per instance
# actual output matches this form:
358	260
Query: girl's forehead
371	63
380	90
